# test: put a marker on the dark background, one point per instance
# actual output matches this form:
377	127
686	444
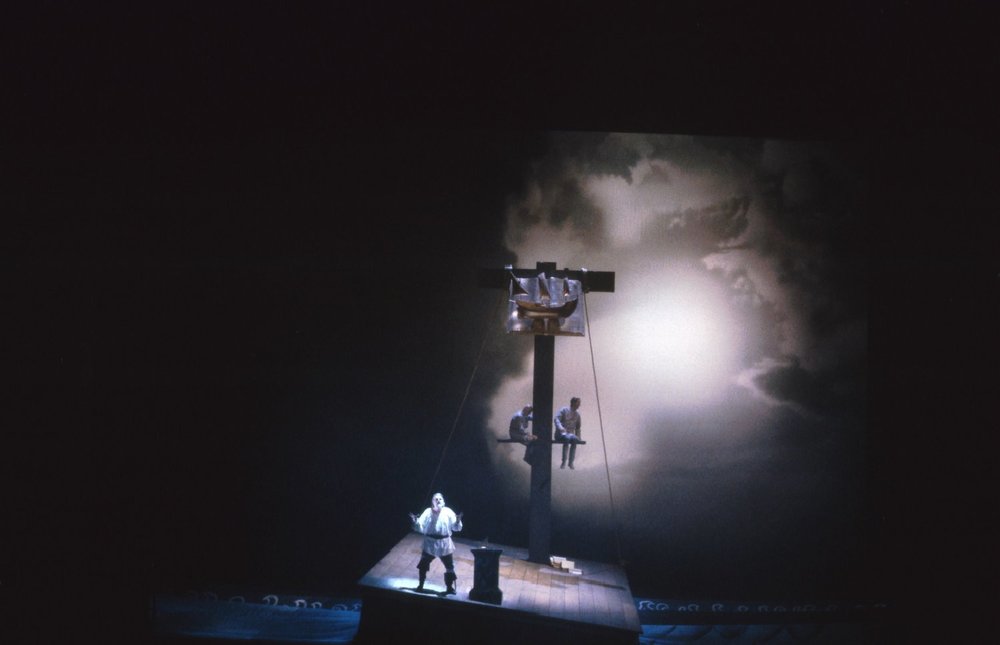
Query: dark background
217	220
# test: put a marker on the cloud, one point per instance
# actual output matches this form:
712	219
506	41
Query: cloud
734	346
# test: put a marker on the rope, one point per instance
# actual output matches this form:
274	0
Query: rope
600	421
468	387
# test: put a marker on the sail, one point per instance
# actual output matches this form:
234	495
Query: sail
546	305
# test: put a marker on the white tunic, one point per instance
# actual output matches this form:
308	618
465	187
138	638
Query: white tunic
437	529
567	421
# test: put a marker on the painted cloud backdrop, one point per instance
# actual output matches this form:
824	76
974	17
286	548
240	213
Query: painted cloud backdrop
730	361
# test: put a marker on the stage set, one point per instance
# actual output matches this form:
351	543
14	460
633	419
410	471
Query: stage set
536	602
508	593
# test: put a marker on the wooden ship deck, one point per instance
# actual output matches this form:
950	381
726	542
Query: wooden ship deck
540	602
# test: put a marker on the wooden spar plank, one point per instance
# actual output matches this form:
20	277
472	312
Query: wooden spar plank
522	443
586	599
573	596
515	579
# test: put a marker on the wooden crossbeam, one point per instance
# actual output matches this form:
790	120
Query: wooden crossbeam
579	443
603	281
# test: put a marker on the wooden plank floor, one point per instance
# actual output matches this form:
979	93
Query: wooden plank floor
599	596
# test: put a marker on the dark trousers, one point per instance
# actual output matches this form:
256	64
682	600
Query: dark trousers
571	447
447	560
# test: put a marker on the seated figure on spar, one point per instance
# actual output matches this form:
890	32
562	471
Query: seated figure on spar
568	424
436	524
519	425
519	431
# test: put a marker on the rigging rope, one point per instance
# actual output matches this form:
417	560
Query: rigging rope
461	406
600	421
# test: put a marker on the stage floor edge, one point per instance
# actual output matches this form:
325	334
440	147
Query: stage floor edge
540	603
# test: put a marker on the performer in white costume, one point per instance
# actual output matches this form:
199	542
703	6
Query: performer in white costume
436	524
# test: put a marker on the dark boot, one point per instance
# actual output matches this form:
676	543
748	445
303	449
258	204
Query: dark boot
423	576
449	580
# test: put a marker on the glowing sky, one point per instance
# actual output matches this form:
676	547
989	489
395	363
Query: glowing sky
731	355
